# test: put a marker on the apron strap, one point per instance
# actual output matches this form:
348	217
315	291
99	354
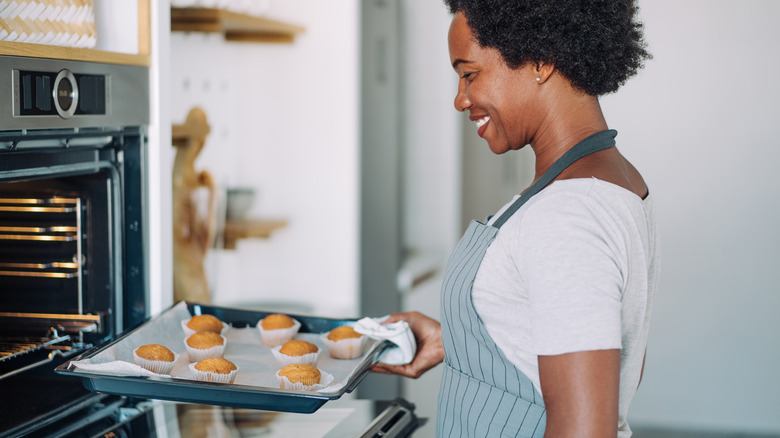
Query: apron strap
596	142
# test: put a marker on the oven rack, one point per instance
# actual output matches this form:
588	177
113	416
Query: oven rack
41	221
19	353
16	346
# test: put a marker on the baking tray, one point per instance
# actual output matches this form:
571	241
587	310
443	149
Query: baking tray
234	395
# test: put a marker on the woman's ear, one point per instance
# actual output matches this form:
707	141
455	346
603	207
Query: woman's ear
543	71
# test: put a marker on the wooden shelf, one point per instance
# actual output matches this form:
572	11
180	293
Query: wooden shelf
249	228
235	26
70	53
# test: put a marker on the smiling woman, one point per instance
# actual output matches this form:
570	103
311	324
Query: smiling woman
546	307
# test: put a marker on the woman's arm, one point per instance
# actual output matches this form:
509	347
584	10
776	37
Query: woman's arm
430	349
581	393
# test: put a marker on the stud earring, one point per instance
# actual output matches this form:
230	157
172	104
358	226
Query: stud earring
538	79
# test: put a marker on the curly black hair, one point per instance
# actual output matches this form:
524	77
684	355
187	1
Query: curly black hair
596	44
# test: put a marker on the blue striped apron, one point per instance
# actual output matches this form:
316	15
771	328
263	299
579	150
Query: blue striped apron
482	393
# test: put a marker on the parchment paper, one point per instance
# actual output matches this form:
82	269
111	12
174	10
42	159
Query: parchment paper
257	366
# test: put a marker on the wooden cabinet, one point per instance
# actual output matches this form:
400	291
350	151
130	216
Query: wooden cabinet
141	57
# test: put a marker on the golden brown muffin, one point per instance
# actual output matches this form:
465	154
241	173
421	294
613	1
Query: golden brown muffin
205	323
298	348
205	340
301	373
277	321
155	352
343	332
216	365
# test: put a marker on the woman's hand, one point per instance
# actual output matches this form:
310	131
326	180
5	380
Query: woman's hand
430	350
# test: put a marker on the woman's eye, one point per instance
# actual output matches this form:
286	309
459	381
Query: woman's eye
466	76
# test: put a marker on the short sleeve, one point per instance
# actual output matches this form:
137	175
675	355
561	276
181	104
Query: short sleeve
572	260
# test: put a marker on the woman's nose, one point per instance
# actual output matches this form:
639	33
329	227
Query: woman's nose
462	102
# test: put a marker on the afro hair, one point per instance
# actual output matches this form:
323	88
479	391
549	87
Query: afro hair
596	44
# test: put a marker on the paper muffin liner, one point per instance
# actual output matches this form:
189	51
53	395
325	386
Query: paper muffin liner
155	366
276	337
189	332
210	376
325	380
198	354
351	348
285	359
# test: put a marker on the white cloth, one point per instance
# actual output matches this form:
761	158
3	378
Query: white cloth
398	333
575	269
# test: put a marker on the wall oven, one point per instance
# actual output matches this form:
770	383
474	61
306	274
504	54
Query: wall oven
72	232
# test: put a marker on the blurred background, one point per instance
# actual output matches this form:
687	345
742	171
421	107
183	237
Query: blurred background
348	134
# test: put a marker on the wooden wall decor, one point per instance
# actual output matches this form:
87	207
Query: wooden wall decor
193	232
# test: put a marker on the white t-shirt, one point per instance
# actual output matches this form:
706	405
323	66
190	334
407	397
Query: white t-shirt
574	269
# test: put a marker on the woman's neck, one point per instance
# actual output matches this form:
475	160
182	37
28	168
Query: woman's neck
574	117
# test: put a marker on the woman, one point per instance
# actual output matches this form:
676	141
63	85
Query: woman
546	307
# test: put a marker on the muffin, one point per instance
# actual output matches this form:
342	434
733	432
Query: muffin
203	345
299	376
276	321
203	323
344	343
296	351
276	329
214	369
155	358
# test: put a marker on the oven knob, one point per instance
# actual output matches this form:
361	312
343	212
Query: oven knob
66	94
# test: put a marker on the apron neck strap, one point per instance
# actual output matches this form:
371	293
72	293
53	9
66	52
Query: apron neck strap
596	142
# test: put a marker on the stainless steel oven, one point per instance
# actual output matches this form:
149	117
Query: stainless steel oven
72	232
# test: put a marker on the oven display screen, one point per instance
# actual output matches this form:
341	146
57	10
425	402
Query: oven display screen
37	94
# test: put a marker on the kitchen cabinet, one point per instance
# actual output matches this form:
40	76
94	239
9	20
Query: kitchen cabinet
106	54
235	26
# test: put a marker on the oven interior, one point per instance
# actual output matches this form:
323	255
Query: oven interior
71	266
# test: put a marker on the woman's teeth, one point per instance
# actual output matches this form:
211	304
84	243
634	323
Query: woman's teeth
482	121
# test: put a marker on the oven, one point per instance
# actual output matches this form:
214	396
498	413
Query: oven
72	232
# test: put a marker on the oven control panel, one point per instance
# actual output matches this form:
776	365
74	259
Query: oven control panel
61	93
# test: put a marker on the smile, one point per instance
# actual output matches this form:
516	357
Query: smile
482	121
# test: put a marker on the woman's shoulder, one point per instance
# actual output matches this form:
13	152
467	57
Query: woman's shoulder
590	190
584	199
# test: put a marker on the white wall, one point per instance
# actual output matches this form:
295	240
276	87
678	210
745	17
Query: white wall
117	25
284	119
699	122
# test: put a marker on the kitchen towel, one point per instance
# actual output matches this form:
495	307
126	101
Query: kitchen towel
398	333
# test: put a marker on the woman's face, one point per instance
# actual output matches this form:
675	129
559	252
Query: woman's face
500	100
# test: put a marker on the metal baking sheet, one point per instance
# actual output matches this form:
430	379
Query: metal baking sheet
182	389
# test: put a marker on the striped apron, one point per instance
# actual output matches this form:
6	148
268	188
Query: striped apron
482	393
